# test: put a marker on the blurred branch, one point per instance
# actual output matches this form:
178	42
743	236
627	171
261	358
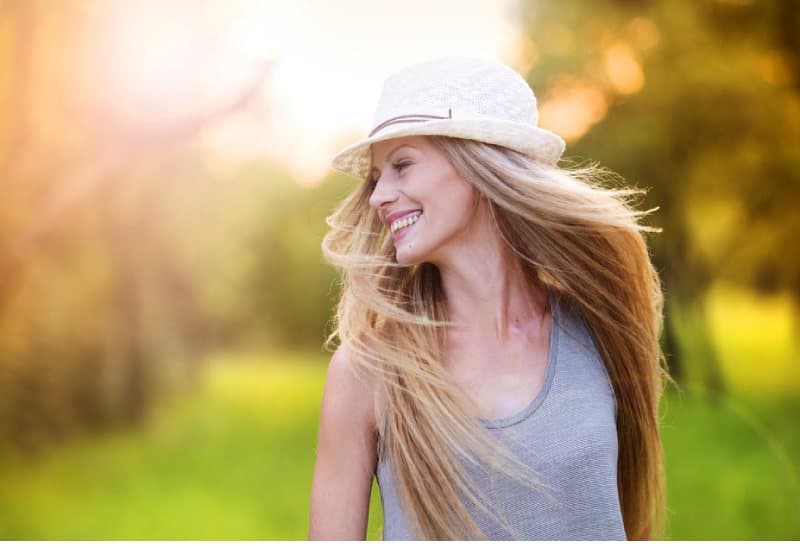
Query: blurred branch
73	189
789	35
76	187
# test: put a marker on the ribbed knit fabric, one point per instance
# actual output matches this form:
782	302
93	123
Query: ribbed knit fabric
567	434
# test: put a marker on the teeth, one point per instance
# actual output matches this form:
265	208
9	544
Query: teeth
404	222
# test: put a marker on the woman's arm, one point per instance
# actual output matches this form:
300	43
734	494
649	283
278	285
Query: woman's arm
346	456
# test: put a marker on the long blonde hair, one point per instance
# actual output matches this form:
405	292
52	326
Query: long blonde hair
571	232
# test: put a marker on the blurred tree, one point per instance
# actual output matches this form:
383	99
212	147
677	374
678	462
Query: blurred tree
698	102
291	288
104	232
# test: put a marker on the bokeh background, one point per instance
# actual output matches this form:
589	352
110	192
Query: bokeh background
163	186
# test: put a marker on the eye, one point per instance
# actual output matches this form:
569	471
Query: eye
401	165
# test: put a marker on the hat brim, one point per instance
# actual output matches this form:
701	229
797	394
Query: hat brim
540	144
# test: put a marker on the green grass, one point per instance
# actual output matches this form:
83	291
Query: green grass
732	468
234	460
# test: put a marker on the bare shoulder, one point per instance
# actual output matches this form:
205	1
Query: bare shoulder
349	390
346	454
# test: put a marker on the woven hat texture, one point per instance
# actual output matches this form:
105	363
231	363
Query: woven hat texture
466	97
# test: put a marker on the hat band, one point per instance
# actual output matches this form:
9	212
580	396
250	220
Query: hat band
409	118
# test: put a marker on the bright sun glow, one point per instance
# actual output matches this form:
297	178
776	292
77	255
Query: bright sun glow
167	59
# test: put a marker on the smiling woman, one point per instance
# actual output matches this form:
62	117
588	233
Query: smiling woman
499	370
428	182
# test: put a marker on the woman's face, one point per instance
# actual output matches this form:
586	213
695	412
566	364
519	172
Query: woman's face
416	181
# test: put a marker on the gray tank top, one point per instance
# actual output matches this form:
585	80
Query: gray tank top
569	430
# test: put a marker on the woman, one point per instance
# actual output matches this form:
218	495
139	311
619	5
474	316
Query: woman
499	370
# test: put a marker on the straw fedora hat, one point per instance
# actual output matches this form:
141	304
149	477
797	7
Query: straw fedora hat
466	97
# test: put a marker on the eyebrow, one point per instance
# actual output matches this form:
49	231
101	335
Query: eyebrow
395	149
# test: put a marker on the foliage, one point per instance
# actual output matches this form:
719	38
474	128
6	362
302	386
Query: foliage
699	102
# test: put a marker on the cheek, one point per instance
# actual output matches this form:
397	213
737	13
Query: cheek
450	207
452	213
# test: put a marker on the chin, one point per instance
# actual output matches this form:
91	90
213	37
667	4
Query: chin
407	257
403	261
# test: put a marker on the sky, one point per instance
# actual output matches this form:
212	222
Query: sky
328	62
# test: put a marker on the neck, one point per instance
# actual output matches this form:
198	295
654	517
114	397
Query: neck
487	291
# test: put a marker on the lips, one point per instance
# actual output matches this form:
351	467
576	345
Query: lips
399	214
400	233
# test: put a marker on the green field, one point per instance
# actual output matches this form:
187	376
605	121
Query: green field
234	460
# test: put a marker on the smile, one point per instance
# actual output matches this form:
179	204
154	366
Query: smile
400	227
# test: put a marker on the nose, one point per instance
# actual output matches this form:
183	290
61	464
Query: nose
382	195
